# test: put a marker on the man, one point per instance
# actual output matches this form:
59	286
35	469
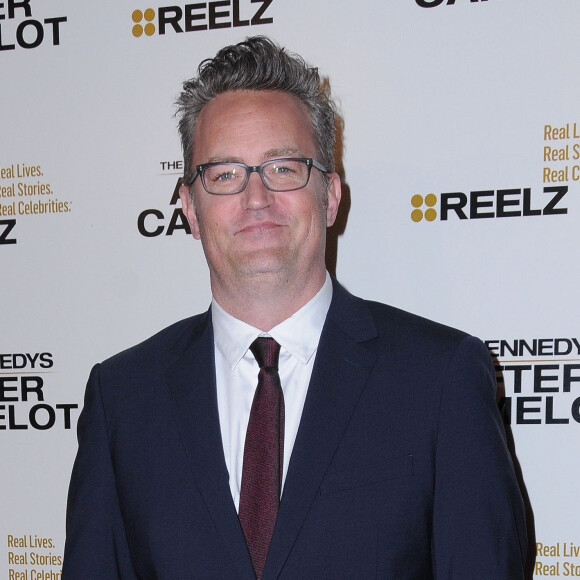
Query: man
372	449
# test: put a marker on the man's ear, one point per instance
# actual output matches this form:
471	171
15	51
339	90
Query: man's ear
188	209
334	193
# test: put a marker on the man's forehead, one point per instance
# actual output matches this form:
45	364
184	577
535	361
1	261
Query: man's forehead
276	119
246	97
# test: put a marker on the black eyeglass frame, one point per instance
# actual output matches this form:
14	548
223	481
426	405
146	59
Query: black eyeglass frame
259	169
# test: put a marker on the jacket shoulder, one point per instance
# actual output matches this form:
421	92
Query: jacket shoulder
161	349
420	339
367	320
392	330
406	324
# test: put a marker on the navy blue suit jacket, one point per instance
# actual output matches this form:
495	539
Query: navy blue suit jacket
400	468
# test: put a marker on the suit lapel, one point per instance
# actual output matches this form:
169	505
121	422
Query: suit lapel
340	373
191	382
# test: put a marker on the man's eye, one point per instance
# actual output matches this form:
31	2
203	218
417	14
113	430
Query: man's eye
225	176
280	169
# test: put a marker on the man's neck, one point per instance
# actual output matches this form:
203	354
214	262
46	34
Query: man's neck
265	302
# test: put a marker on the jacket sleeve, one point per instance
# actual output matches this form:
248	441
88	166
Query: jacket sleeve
479	529
96	544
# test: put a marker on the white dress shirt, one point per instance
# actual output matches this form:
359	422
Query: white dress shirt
237	374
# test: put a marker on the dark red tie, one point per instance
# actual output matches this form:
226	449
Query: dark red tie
263	455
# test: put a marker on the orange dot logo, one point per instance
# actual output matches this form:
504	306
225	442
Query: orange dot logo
138	27
429	213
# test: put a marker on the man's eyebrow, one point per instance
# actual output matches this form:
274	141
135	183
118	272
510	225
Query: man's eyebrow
222	159
283	152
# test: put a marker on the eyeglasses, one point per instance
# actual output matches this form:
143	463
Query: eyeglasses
227	178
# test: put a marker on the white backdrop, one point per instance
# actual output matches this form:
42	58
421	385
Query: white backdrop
462	167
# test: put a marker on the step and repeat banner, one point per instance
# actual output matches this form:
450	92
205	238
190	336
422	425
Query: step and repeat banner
460	156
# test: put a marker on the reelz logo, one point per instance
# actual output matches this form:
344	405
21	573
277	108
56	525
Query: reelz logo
489	203
540	378
29	33
200	16
151	222
22	395
434	3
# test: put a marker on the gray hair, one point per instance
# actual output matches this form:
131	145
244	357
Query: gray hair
257	64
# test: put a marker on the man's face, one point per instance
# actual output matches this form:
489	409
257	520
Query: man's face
259	232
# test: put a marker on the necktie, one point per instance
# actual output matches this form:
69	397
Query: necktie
263	455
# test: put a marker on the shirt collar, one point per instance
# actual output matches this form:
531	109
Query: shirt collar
299	334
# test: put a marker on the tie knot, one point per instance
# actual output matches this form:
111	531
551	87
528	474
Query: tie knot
265	350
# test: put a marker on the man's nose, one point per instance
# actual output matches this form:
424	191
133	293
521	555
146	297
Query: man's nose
256	195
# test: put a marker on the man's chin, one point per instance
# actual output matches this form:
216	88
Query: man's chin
263	263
